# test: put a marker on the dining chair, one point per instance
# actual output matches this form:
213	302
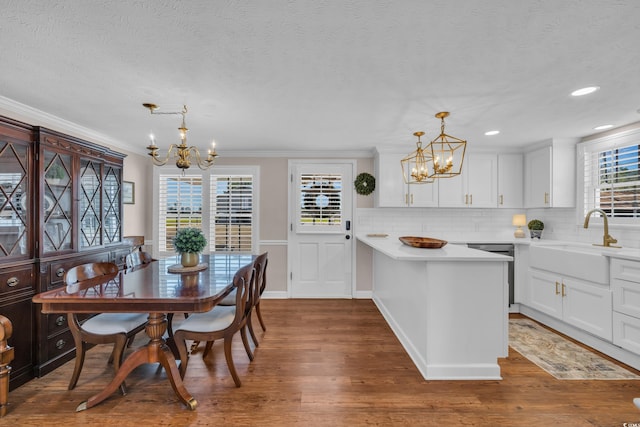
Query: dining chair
136	259
103	328
260	266
221	322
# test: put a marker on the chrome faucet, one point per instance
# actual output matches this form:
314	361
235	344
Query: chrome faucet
607	240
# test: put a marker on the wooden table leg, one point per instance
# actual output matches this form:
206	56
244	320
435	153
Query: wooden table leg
156	351
6	356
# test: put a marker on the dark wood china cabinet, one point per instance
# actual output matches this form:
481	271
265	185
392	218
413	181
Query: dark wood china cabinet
60	206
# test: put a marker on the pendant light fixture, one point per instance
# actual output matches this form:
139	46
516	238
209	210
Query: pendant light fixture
447	152
417	167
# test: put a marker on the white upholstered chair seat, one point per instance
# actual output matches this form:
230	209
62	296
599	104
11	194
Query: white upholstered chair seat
220	317
230	299
114	323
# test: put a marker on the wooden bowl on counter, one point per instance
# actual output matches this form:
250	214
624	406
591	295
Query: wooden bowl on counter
422	242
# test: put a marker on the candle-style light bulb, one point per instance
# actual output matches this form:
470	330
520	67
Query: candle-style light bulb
152	139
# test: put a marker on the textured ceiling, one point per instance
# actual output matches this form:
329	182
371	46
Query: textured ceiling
324	74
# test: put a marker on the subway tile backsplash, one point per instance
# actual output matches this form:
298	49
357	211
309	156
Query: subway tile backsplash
560	223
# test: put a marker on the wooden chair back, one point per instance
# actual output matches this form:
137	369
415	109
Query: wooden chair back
90	274
260	264
243	283
137	258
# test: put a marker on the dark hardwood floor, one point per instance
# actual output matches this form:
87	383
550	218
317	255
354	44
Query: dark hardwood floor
323	363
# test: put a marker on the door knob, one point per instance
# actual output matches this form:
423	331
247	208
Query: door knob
347	237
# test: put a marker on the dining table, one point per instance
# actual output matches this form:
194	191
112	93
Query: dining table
158	288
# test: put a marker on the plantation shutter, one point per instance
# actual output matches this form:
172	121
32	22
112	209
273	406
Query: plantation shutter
232	213
180	206
612	179
320	208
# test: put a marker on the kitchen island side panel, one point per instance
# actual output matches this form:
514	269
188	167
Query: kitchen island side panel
451	317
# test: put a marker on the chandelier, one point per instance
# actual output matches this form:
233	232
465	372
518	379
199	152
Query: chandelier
415	167
182	153
447	152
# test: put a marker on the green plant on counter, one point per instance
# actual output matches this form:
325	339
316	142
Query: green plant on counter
535	224
189	240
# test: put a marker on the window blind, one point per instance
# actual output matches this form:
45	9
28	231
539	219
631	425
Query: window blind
320	199
612	179
180	206
232	213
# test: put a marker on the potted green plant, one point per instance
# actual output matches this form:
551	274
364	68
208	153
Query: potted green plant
189	242
535	228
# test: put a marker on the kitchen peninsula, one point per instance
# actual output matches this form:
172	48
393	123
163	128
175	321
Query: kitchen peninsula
447	306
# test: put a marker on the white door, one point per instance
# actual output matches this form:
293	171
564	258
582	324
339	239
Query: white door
320	232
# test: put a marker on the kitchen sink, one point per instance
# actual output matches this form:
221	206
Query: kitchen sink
582	261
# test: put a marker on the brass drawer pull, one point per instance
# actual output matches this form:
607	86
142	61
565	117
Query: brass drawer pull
13	281
60	320
60	272
557	291
60	344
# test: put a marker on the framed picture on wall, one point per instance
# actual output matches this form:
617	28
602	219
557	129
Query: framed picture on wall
128	192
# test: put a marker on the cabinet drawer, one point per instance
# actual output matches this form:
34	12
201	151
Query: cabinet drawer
626	297
626	332
57	322
59	344
58	268
625	269
16	279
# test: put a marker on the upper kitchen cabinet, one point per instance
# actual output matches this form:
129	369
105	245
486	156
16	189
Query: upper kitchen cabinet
550	175
510	180
475	187
79	194
391	189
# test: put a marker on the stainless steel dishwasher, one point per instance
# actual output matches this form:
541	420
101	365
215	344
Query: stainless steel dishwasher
502	249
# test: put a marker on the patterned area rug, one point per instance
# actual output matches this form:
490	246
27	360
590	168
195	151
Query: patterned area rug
560	357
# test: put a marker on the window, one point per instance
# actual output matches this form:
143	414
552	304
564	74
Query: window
221	202
611	176
321	199
180	204
232	210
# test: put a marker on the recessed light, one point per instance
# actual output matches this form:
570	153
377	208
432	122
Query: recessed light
585	91
603	127
492	132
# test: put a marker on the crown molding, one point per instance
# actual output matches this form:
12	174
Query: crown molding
298	154
35	117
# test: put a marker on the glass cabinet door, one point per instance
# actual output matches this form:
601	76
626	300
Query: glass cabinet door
89	205
57	203
111	204
15	204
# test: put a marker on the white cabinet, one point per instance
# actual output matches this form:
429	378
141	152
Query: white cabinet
392	191
625	284
550	175
475	187
582	304
510	180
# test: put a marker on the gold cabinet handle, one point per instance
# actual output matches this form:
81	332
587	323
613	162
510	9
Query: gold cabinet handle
546	198
557	291
411	198
406	198
501	199
470	199
466	199
564	294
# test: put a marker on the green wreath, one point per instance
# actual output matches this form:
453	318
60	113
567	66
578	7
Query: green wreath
365	183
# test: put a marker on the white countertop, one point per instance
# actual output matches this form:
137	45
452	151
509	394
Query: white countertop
394	248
